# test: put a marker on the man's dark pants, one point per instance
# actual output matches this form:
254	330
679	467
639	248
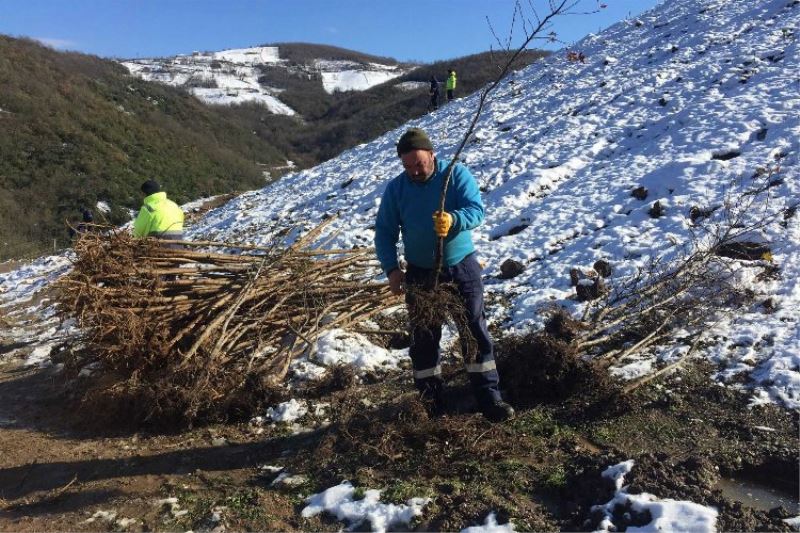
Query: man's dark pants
425	352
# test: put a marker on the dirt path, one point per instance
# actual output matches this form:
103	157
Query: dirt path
55	472
59	470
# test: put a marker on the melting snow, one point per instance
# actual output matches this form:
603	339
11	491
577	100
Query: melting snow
287	411
339	501
557	154
490	526
667	515
340	347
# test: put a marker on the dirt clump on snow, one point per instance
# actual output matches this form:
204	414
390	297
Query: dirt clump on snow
560	325
336	379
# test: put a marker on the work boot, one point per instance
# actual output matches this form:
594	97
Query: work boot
497	411
433	401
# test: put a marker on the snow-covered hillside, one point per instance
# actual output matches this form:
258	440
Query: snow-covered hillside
232	76
352	76
685	100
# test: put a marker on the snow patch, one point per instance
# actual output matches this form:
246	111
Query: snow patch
490	526
337	347
287	411
666	514
339	501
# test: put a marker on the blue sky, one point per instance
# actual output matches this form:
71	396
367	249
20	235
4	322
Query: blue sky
423	30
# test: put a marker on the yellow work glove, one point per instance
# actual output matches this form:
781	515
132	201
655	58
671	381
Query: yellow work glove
442	221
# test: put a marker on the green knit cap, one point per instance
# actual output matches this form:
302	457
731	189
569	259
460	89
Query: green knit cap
413	139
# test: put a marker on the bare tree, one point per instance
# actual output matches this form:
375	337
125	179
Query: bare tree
535	27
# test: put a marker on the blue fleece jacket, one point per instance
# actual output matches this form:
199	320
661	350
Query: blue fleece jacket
408	207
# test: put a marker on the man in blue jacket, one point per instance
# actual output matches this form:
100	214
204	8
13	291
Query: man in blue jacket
407	205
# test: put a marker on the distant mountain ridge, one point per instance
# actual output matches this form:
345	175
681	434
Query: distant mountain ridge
335	122
260	74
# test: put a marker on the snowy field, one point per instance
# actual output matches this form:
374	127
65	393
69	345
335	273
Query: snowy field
689	101
225	78
351	76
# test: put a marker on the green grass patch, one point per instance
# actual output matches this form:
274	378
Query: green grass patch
403	491
555	477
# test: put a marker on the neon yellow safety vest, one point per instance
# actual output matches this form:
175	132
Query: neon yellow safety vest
159	217
451	81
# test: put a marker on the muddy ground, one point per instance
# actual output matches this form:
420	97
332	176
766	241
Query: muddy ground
62	470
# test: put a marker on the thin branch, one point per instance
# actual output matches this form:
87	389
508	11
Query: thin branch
555	10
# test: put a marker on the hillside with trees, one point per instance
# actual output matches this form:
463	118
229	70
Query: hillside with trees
76	129
338	121
300	53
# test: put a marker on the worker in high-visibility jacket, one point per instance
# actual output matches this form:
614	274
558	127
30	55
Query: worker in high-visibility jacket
159	216
451	84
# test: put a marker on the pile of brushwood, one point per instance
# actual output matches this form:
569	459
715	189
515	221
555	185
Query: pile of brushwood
205	330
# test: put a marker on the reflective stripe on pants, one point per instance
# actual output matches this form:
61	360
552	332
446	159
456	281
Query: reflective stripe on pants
428	372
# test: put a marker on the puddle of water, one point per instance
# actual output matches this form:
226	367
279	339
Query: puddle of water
757	496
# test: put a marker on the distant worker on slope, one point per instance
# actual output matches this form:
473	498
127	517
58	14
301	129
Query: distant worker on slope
434	92
407	205
87	219
159	217
451	84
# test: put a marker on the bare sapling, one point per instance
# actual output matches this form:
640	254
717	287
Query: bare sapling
436	304
556	8
686	291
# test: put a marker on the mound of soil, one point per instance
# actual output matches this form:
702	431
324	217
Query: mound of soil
543	368
336	379
391	435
